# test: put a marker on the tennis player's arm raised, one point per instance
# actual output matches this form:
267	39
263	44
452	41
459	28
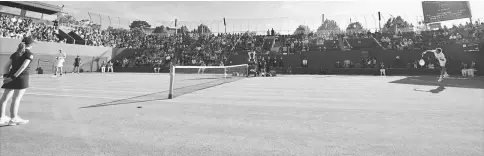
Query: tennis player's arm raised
433	51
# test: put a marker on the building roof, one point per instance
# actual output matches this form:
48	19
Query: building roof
33	6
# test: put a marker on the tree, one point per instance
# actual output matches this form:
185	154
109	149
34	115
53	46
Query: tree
66	18
354	26
329	25
252	33
399	22
203	29
139	24
137	32
160	29
95	26
183	29
302	29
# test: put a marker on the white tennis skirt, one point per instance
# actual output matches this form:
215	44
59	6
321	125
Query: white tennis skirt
60	63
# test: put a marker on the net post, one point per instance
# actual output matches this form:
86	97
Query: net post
53	66
172	75
36	70
225	72
38	64
247	71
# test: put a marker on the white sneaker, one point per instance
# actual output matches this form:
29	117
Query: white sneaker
446	75
18	121
4	120
440	80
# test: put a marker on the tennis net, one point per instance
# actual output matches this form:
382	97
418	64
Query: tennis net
188	79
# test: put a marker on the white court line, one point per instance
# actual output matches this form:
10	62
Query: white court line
89	90
97	83
82	87
271	105
76	96
84	82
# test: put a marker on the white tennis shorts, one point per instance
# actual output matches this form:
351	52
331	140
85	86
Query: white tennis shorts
442	63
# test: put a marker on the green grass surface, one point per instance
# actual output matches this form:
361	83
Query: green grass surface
286	115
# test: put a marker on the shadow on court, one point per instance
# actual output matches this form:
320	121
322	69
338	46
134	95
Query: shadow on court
157	96
1	126
163	95
434	91
461	82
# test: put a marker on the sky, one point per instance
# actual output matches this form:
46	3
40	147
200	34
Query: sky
251	15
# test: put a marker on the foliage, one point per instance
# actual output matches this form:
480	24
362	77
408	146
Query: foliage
399	22
202	29
66	18
354	26
302	29
329	25
160	29
183	29
139	24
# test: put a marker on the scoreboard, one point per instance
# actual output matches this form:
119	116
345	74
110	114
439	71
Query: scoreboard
436	11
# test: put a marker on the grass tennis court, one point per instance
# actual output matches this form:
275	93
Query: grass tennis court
94	114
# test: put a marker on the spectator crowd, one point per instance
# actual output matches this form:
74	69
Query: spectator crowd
212	49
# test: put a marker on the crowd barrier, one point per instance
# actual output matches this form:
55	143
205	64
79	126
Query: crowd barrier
45	53
327	59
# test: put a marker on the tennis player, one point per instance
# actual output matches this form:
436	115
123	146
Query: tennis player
16	81
442	60
60	59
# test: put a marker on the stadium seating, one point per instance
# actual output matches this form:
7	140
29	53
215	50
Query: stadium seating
193	48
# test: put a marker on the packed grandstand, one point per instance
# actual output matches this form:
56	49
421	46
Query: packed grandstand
192	48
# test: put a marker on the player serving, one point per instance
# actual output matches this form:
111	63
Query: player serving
441	57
